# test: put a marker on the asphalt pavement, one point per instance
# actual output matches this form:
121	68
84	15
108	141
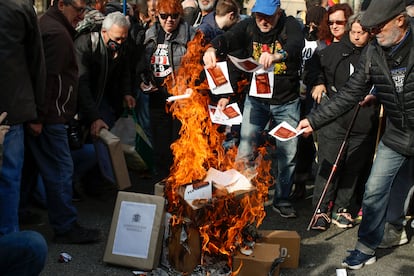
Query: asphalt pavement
321	253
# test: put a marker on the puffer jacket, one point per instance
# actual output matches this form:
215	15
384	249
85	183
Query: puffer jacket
22	64
62	70
373	70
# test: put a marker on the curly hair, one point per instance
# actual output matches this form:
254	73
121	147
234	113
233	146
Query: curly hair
171	6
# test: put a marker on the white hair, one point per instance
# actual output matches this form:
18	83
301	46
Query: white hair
115	18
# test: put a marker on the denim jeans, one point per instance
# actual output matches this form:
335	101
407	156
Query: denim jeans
22	253
256	115
10	175
52	154
397	205
387	170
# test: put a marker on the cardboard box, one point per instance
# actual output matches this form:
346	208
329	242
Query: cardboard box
259	262
137	228
289	242
111	159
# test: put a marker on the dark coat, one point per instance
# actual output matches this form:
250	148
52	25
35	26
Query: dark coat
336	61
100	77
373	70
62	70
22	65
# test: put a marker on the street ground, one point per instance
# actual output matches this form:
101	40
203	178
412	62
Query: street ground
321	253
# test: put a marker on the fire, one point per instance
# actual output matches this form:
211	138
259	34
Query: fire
221	221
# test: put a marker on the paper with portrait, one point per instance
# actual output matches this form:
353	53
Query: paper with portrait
218	79
262	83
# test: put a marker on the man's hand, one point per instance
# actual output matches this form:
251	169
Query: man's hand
129	101
96	126
317	92
209	58
268	59
304	124
3	128
368	100
35	129
222	103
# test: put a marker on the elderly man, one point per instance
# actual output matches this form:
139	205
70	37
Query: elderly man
275	41
387	64
104	75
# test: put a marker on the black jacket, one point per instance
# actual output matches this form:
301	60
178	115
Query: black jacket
62	70
373	69
100	76
287	32
22	65
336	61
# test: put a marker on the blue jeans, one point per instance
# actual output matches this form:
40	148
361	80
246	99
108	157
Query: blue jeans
10	176
256	115
387	170
22	253
52	154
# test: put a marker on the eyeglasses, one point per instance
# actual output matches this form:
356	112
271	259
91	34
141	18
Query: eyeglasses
173	16
337	22
79	10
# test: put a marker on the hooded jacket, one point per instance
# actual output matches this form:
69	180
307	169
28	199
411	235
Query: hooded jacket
62	70
246	35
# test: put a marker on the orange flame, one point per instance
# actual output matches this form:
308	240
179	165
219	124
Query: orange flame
199	148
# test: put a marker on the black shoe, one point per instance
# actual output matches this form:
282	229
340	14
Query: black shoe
30	218
285	211
76	196
79	235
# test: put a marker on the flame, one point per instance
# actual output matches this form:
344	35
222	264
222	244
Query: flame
199	147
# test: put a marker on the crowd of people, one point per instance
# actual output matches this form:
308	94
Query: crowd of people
342	76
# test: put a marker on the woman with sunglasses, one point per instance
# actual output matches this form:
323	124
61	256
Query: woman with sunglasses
165	44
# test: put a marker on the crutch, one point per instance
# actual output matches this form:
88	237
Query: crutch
335	165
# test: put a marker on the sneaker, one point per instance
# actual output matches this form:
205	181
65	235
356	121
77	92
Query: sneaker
321	222
357	259
78	235
285	211
393	237
343	219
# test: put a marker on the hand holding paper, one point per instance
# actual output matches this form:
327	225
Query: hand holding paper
285	132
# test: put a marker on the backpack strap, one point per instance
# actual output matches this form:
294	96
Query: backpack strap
94	40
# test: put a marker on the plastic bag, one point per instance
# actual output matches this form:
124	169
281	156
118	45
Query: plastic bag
135	143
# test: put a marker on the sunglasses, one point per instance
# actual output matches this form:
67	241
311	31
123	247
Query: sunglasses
337	22
79	10
165	16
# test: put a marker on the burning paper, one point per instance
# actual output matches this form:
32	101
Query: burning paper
231	180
